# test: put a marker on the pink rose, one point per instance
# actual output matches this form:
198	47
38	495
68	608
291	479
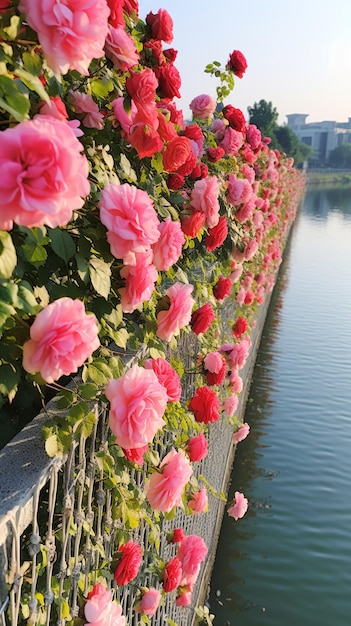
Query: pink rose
204	198
128	567
71	33
199	501
197	447
131	220
239	190
137	404
203	106
230	405
236	382
253	136
164	489
184	598
120	49
239	353
241	433
149	603
44	176
170	322
191	552
125	120
101	610
167	377
140	282
232	141
62	337
168	248
213	362
239	506
83	103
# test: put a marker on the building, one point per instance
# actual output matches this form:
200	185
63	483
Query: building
322	137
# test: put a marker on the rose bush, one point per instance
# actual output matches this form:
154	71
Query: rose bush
125	230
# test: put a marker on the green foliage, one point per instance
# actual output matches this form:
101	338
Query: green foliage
341	156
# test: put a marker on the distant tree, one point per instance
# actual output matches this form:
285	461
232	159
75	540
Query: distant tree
341	156
265	116
287	141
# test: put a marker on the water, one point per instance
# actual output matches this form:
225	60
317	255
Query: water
288	561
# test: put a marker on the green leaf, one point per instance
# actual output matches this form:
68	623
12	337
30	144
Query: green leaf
98	371
32	62
86	425
52	447
26	300
121	337
34	253
9	379
8	258
127	169
6	310
12	30
12	98
157	162
33	83
88	391
100	275
62	243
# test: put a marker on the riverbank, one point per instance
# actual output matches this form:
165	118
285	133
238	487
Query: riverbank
329	177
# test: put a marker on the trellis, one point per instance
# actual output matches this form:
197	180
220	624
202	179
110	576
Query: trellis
56	524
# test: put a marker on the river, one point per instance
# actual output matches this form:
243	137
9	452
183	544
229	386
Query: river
288	561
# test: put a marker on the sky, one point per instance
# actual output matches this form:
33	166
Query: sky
298	52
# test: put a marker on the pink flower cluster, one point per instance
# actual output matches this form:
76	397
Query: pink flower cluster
62	337
136	236
44	176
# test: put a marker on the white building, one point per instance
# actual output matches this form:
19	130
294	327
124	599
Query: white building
322	137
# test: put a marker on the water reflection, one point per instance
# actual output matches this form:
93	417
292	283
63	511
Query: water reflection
320	201
288	560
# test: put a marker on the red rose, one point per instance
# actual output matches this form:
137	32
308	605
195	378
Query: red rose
129	564
235	118
116	13
145	139
240	327
175	181
136	455
200	171
176	535
131	5
202	319
169	81
161	25
213	378
217	235
172	575
141	87
170	54
197	447
155	45
193	131
191	224
222	288
205	405
176	154
237	63
214	154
